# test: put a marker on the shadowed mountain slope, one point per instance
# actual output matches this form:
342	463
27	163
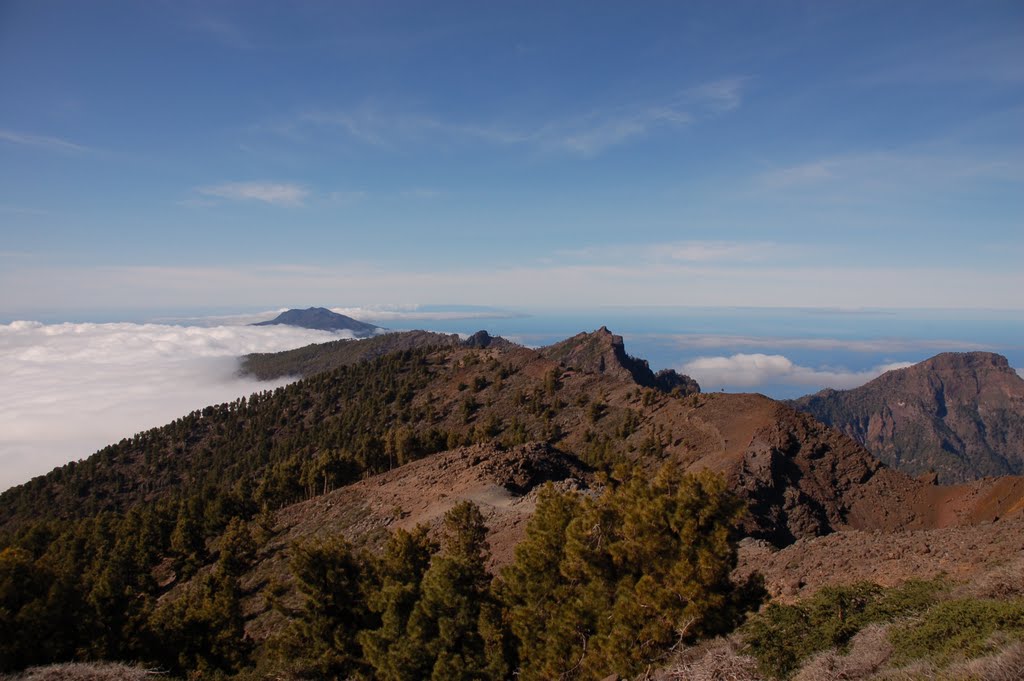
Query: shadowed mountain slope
959	415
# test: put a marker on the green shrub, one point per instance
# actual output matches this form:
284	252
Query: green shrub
958	629
783	636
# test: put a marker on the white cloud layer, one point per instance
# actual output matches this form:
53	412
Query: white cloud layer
751	370
70	389
402	313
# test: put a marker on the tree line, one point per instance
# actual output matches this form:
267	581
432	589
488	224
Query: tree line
601	583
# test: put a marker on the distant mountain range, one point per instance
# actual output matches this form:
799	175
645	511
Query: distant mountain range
959	415
321	319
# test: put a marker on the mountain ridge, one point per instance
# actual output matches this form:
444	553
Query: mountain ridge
320	357
957	415
583	395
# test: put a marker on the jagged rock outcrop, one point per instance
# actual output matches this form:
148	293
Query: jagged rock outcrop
602	352
959	415
481	340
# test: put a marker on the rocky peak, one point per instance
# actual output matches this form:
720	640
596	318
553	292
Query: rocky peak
964	361
481	340
603	352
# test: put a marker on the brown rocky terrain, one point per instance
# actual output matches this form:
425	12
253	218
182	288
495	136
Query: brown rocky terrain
957	415
963	553
883	528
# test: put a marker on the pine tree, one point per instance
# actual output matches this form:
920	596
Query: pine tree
187	542
534	591
610	584
202	632
331	579
445	641
237	549
400	571
23	609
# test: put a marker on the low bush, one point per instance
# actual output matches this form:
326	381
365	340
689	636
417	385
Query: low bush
958	629
782	637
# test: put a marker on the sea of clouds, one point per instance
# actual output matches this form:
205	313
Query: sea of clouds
70	389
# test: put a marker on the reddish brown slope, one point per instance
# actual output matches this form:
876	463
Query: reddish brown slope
960	414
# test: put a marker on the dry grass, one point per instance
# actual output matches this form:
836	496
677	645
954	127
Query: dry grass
1006	665
1005	581
82	671
716	660
869	652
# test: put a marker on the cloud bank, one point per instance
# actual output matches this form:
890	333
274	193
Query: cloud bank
407	313
70	389
751	370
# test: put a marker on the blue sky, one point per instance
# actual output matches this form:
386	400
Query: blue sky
175	155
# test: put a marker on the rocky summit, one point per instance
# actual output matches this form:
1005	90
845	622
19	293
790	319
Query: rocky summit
958	416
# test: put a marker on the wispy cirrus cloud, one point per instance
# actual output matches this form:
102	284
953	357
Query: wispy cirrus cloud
585	133
898	171
281	194
41	141
720	95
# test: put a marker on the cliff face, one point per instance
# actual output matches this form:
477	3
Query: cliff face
960	415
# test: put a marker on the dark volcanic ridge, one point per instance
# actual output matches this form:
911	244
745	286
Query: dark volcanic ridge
958	415
320	357
321	319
